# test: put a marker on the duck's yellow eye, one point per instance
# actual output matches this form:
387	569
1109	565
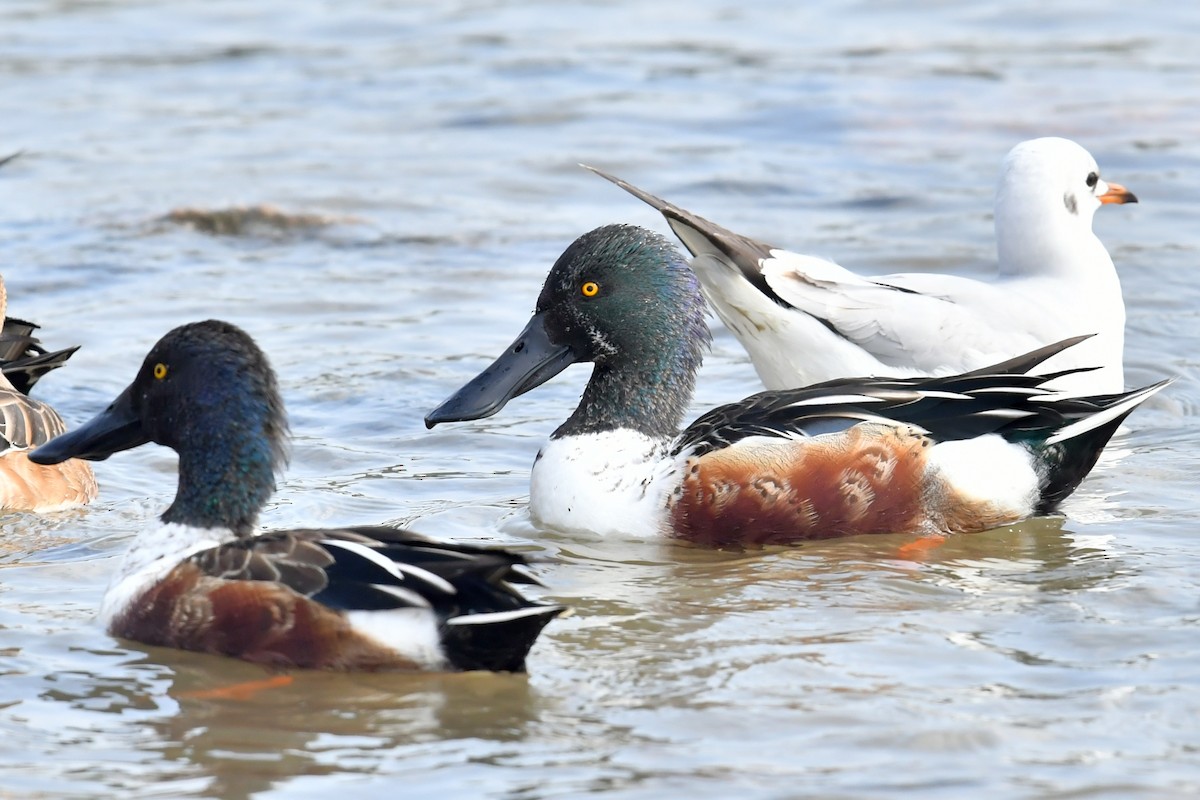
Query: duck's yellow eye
160	370
590	289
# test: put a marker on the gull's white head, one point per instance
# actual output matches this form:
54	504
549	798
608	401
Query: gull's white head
1049	191
1053	172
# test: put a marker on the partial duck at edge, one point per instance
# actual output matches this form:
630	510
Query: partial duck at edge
26	423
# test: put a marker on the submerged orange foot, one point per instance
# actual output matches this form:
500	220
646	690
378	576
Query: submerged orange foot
240	691
917	548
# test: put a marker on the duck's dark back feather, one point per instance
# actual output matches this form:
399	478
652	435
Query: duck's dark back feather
1001	399
23	359
26	422
380	568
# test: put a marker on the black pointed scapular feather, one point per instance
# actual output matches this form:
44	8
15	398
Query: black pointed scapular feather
23	359
1023	363
26	371
351	567
357	596
948	408
453	568
485	592
447	560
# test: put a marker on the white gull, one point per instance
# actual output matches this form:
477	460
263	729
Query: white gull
804	319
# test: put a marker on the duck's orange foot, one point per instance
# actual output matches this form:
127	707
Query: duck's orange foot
918	548
240	691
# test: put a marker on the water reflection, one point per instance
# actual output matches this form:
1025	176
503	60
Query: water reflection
318	724
664	635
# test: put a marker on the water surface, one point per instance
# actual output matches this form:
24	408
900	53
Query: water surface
435	150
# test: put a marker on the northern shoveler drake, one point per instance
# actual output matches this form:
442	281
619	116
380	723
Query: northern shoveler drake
804	319
26	423
850	456
363	598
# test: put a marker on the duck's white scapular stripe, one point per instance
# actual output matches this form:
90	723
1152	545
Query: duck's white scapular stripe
875	419
896	395
1109	414
831	399
1027	391
444	553
1004	413
493	617
392	567
946	395
406	596
426	576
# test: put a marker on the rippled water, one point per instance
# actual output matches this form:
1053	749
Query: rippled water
437	149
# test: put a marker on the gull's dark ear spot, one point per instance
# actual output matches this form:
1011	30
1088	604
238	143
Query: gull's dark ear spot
1070	202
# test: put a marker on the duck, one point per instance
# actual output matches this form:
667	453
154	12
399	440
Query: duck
203	577
26	423
804	319
24	360
850	456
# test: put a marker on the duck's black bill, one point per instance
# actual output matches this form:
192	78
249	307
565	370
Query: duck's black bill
114	429
529	362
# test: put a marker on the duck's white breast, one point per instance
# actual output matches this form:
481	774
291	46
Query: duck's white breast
153	553
610	482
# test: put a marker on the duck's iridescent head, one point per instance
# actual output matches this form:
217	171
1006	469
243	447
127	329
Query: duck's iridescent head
206	391
623	298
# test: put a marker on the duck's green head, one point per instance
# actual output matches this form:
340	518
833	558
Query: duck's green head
623	298
207	391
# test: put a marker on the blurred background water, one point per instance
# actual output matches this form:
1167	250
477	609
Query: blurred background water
422	159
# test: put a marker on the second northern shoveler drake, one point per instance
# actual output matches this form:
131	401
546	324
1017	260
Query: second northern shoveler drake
804	319
363	598
26	423
932	455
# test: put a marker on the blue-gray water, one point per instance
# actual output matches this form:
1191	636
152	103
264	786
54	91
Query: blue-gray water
1057	658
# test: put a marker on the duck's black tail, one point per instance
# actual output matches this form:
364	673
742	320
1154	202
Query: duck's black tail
1068	454
483	621
495	640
